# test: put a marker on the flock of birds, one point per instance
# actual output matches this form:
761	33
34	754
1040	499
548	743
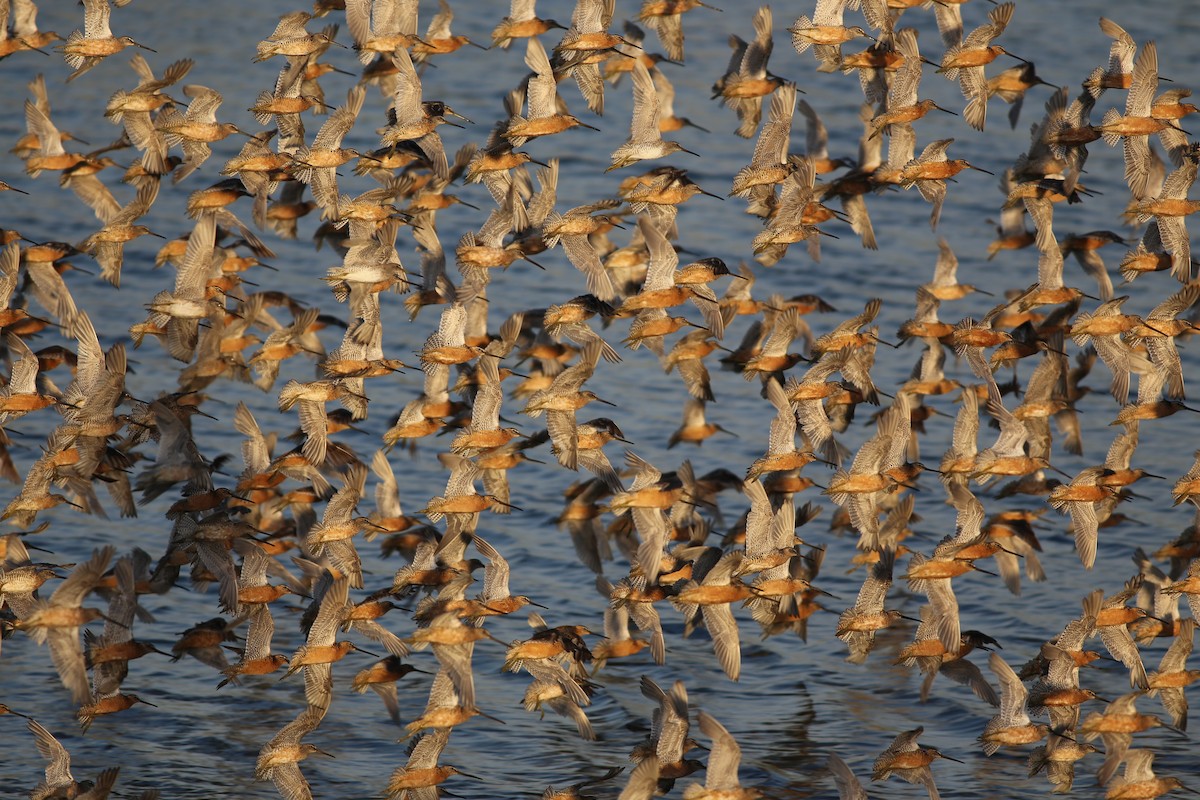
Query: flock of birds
292	521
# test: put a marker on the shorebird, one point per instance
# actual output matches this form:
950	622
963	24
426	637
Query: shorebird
1168	210
1011	86
668	121
59	619
59	782
1172	675
1112	620
664	17
905	759
25	34
541	95
782	454
1157	334
902	106
1012	727
965	62
796	216
132	108
18	583
444	710
179	311
1058	693
825	33
857	625
107	245
381	677
257	658
381	28
320	650
316	165
573	229
411	119
333	536
661	291
438	40
1118	73
929	173
769	165
1079	499
279	760
562	399
1136	124
196	129
292	41
1103	328
584	43
688	355
721	773
47	153
712	596
1139	780
645	139
1059	762
747	80
86	49
522	22
422	770
21	396
1116	726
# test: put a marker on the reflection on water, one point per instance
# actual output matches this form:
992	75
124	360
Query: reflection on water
796	700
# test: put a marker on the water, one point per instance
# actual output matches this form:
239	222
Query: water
796	701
